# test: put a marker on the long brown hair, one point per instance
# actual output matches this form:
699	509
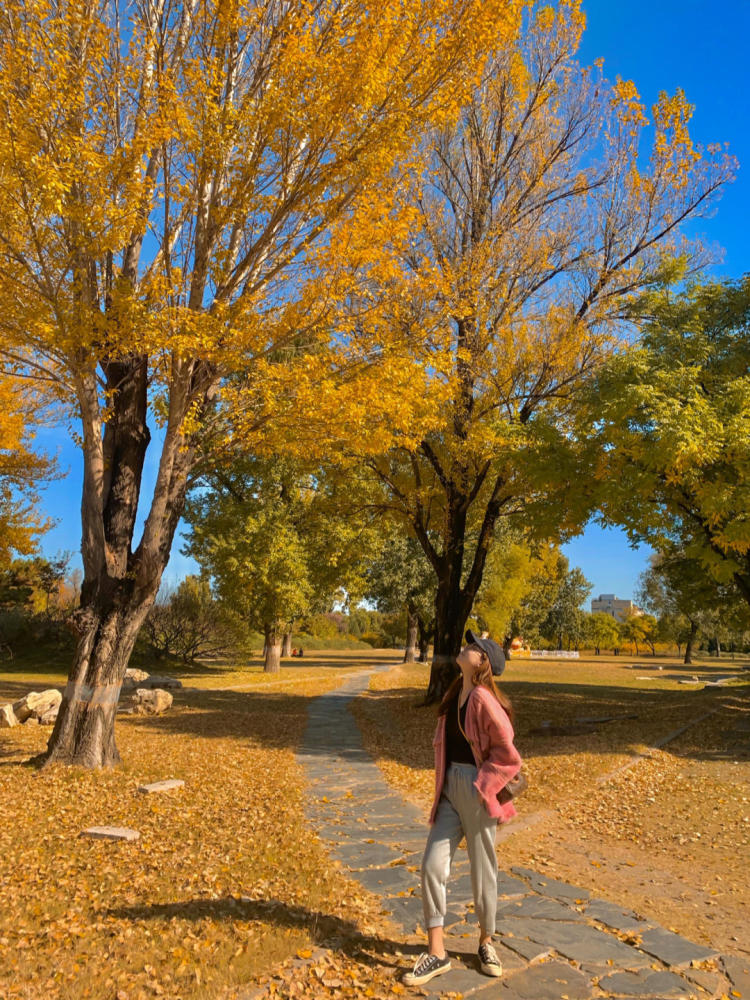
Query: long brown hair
482	677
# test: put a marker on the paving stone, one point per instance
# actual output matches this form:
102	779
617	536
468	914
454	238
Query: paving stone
364	856
458	980
538	906
576	941
713	983
509	886
672	949
391	880
549	981
646	984
459	889
529	950
110	833
738	972
614	916
406	912
161	786
550	886
466	948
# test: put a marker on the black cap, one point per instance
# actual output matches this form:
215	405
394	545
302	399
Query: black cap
494	651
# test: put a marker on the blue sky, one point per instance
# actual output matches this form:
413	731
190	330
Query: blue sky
661	45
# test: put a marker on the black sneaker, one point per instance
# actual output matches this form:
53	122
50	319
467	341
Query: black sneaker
426	968
488	960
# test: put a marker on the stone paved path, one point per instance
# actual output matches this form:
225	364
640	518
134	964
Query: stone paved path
556	941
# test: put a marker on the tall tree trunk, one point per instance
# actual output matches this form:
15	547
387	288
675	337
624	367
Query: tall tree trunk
450	622
273	650
120	585
84	733
286	644
718	648
412	628
690	642
425	634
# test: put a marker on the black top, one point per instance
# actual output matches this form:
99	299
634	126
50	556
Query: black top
457	747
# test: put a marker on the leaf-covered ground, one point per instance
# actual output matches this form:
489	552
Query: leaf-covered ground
226	883
667	836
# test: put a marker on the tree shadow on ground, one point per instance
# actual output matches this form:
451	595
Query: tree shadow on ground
323	927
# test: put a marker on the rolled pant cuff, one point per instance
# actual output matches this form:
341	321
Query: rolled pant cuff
435	922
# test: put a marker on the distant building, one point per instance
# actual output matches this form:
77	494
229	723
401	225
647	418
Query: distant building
611	605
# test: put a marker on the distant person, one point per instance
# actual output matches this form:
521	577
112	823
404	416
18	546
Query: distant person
474	759
294	652
301	651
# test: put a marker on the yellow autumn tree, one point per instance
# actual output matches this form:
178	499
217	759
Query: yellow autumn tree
22	470
536	219
173	177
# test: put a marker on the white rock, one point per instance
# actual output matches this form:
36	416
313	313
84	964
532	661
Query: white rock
155	681
37	704
110	833
50	717
134	678
7	717
161	786
151	702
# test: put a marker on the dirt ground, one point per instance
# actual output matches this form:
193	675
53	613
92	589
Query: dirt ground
664	832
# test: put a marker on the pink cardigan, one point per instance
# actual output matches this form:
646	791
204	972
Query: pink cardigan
490	734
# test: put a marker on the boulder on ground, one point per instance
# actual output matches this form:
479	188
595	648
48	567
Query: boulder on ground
38	705
7	717
133	678
155	681
148	701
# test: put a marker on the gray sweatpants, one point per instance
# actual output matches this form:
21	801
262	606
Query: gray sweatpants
460	813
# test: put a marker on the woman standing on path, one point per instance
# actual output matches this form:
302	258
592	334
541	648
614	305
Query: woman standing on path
474	759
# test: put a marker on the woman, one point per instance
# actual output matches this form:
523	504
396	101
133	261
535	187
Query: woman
474	759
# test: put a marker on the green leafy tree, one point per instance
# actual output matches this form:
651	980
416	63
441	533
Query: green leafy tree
671	418
272	536
690	602
603	631
401	579
566	616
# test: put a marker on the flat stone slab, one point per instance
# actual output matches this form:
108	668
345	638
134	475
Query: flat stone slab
391	880
538	906
614	916
550	981
737	971
365	855
110	833
672	949
530	950
509	886
576	941
551	886
458	980
161	786
647	984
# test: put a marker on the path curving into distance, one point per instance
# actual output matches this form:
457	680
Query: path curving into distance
555	940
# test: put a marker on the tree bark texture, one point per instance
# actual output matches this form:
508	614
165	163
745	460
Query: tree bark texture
457	590
84	733
286	644
425	635
412	628
120	583
690	643
272	663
